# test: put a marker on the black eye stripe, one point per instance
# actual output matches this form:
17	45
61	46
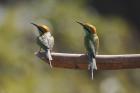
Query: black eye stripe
87	29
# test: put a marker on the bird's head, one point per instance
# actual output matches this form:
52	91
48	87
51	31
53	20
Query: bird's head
88	27
41	28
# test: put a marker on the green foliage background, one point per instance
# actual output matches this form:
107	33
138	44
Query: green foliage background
22	72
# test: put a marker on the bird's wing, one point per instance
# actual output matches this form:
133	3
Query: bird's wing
44	41
94	44
47	40
51	42
92	47
96	41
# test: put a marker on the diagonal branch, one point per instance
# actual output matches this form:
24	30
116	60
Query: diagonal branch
104	62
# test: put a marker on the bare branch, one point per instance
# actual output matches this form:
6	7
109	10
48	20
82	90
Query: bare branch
104	62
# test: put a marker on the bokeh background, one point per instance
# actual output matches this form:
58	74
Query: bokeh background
117	23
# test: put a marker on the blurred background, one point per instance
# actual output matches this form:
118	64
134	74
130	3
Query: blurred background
117	23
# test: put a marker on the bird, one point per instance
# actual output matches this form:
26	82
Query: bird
91	42
45	40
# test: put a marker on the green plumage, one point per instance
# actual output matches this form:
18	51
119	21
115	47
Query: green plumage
45	40
91	43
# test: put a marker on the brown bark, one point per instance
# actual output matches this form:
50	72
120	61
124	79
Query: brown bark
104	62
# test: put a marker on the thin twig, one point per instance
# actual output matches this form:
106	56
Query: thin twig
104	62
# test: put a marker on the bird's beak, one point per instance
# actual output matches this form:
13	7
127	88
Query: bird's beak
35	25
38	27
80	23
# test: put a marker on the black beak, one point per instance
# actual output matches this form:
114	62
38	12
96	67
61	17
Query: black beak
35	25
84	26
39	29
80	23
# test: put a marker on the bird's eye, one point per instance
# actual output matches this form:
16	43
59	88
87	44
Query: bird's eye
87	29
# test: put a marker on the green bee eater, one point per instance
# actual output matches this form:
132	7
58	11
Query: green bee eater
45	40
91	42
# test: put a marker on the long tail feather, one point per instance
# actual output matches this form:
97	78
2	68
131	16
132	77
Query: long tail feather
50	63
48	54
93	66
92	73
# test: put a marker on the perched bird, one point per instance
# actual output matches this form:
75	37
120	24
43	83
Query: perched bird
45	40
91	42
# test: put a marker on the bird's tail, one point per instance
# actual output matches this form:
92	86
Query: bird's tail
48	54
93	66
